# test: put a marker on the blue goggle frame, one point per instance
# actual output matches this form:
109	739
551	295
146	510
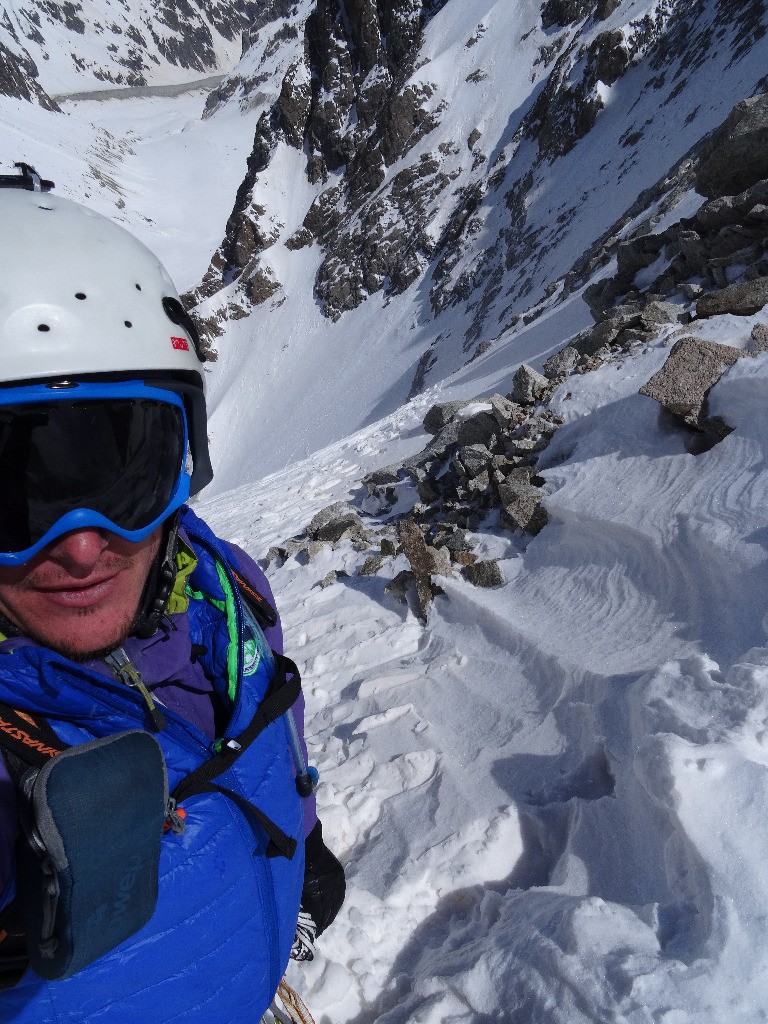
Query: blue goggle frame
85	518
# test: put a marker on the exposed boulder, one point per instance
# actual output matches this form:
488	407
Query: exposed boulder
371	565
657	313
474	459
760	338
521	506
739	151
441	414
613	323
399	585
636	254
18	78
282	552
479	428
742	299
333	577
692	368
425	561
337	522
474	428
484	573
506	412
561	363
725	211
528	386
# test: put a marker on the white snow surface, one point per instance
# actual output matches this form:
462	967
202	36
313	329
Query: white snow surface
551	797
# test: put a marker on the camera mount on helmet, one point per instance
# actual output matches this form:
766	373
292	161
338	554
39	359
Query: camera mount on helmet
28	179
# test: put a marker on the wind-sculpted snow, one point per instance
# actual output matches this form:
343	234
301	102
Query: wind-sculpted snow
552	797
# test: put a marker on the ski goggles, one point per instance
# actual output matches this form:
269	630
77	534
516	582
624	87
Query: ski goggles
108	456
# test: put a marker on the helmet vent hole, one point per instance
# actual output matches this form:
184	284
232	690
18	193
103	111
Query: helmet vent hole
128	323
80	295
43	327
138	287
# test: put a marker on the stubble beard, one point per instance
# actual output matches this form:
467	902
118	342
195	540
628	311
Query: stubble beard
115	563
77	655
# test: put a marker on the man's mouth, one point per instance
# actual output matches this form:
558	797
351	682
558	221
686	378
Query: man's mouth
80	593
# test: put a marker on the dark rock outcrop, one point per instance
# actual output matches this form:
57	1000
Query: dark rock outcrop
18	79
740	299
426	561
478	461
528	386
739	151
348	104
484	574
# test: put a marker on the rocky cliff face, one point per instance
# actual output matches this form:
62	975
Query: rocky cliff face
74	45
458	169
347	103
18	78
398	199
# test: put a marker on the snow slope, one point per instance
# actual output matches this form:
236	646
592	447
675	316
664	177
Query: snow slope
551	797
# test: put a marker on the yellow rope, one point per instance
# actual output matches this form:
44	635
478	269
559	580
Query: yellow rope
294	1005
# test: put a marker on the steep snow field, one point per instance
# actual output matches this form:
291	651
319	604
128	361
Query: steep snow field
551	798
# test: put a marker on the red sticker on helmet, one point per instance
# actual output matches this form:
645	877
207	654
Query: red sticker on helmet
180	343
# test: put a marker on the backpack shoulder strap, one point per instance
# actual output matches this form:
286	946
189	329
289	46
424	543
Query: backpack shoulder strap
280	696
29	738
266	616
282	693
26	741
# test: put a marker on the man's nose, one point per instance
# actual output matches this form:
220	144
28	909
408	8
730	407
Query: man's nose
79	551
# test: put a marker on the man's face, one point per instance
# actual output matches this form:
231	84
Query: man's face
79	596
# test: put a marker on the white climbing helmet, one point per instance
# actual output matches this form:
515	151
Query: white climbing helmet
82	297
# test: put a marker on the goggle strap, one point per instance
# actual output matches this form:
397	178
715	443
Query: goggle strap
159	584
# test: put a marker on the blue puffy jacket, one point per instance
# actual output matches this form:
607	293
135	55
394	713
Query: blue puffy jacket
219	941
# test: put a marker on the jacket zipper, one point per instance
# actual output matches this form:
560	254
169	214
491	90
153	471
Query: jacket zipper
127	673
128	703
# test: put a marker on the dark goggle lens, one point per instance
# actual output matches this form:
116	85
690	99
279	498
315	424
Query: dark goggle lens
121	458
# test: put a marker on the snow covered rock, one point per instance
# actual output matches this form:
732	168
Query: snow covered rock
338	521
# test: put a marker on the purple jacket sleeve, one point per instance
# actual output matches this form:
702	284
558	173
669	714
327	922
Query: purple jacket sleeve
8	819
253	574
